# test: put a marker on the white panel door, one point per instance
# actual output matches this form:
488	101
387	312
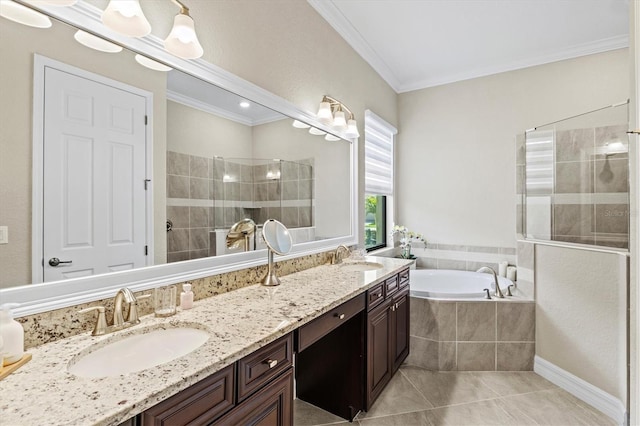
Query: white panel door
94	200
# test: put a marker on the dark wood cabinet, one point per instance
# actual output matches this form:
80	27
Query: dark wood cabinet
379	335
271	406
387	333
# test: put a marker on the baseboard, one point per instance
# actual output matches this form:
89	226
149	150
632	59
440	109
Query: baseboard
596	397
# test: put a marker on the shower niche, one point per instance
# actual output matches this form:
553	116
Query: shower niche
573	180
242	192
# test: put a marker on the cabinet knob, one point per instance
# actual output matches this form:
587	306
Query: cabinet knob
340	316
272	362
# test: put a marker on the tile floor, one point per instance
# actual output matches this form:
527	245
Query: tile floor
416	396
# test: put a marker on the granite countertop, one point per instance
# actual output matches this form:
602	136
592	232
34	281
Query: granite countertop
239	322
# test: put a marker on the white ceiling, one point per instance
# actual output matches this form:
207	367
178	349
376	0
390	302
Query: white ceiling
415	44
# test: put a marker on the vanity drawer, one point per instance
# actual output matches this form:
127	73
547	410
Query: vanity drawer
404	278
391	285
199	404
264	364
312	332
375	296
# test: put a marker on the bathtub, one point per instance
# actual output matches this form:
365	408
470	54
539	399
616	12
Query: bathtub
454	285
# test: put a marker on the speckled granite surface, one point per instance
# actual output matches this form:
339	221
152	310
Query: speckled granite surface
239	322
50	326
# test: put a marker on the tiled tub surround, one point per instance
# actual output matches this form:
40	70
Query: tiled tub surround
205	194
482	335
461	257
62	323
588	199
239	322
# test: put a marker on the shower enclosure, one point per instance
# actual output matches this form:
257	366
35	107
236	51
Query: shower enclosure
573	179
239	189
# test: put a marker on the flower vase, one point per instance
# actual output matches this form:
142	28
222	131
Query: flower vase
406	251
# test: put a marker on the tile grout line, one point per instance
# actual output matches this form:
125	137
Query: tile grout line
416	388
501	406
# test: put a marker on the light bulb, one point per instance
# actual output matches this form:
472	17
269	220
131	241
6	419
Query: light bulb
126	17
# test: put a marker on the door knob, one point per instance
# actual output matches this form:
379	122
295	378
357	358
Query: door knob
54	261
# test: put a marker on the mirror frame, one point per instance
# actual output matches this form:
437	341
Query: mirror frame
42	297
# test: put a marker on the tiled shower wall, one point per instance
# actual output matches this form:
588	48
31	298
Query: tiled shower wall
590	200
200	199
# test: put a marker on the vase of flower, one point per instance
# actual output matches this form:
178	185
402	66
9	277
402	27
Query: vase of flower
406	251
405	240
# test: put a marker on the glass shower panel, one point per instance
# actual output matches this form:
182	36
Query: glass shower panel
576	179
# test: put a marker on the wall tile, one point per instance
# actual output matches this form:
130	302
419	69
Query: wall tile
178	256
426	263
177	186
273	189
476	356
525	255
304	216
574	177
433	319
198	254
305	190
573	220
423	353
199	188
474	266
198	167
289	170
178	240
612	175
290	190
177	164
198	217
179	216
218	168
516	322
575	145
457	265
199	239
290	217
612	218
482	249
246	173
608	134
447	356
246	192
515	356
476	321
520	149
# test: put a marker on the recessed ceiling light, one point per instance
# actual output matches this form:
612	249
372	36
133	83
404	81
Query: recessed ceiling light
23	15
244	104
96	43
150	63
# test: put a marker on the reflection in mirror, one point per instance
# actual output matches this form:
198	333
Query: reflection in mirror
278	240
576	179
196	134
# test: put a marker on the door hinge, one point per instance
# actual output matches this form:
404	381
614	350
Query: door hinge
146	250
146	120
146	183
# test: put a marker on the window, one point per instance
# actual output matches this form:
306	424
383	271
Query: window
378	179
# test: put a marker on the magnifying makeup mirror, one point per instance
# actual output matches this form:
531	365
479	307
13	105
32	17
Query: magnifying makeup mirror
278	241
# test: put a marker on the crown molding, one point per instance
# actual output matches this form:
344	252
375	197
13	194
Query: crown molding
598	46
328	10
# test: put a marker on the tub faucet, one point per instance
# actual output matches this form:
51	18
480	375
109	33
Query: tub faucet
335	256
498	292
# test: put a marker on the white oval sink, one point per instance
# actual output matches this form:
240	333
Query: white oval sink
360	266
137	352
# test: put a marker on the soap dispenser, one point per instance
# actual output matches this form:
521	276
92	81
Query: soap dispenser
12	335
186	297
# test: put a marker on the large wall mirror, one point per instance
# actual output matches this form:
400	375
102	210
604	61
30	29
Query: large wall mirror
136	175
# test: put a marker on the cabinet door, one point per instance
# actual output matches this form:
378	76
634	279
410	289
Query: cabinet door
400	328
270	406
378	351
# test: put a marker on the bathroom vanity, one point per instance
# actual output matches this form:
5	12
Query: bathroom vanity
347	329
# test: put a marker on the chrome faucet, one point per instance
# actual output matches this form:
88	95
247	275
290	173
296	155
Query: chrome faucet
123	295
335	256
498	292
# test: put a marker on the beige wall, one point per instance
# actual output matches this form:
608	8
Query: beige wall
331	162
18	43
581	314
456	143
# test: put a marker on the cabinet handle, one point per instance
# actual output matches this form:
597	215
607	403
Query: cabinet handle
397	305
393	308
340	316
271	362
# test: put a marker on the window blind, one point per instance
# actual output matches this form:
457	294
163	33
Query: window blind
378	155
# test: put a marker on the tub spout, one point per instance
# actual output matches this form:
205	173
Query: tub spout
498	292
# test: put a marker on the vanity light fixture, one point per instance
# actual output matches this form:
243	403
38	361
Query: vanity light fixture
332	111
182	40
151	64
244	104
126	17
96	43
23	15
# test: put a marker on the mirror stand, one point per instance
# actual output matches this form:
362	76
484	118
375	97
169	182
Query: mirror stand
271	279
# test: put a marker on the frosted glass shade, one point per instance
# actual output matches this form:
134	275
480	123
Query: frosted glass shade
182	41
151	64
23	15
324	113
317	132
352	129
126	17
300	125
339	120
331	138
96	43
